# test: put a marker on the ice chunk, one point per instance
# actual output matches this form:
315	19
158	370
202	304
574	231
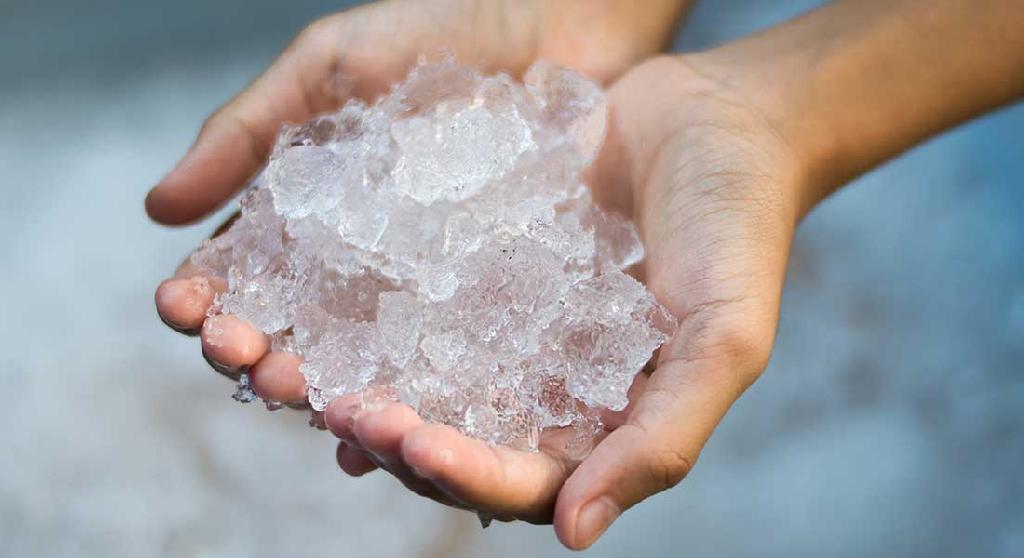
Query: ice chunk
444	349
307	180
453	154
607	334
345	358
399	318
571	103
618	244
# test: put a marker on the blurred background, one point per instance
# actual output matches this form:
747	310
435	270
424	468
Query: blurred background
890	422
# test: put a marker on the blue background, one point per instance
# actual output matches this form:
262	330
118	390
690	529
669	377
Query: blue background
889	421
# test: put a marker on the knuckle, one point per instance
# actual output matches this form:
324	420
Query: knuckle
666	468
732	333
316	32
212	121
661	467
749	348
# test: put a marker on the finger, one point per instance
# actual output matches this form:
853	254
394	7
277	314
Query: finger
353	461
340	417
651	452
233	143
182	303
499	480
276	377
230	343
380	432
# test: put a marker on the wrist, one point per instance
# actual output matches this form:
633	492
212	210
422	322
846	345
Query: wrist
852	84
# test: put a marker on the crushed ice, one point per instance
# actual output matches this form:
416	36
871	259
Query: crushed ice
440	244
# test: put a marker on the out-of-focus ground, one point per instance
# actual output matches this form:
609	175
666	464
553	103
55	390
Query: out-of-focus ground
890	422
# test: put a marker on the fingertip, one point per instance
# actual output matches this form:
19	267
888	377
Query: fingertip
167	206
151	204
224	158
587	524
175	200
381	432
501	480
276	377
155	207
182	303
565	531
233	342
565	520
615	476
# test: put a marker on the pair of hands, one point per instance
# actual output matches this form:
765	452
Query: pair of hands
713	186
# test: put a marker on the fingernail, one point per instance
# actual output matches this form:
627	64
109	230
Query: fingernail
150	202
594	519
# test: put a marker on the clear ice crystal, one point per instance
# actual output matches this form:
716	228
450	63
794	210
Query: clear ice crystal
439	246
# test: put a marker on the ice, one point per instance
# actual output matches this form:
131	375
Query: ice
307	180
453	154
399	319
571	103
440	247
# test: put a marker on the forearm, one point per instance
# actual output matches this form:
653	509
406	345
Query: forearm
859	81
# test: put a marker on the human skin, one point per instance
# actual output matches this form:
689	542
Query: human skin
718	156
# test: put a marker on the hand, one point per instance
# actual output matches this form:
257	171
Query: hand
373	47
370	47
709	183
713	188
717	156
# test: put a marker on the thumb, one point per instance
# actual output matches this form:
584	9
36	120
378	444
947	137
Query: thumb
658	445
234	142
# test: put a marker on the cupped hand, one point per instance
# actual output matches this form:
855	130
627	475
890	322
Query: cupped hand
360	53
714	190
